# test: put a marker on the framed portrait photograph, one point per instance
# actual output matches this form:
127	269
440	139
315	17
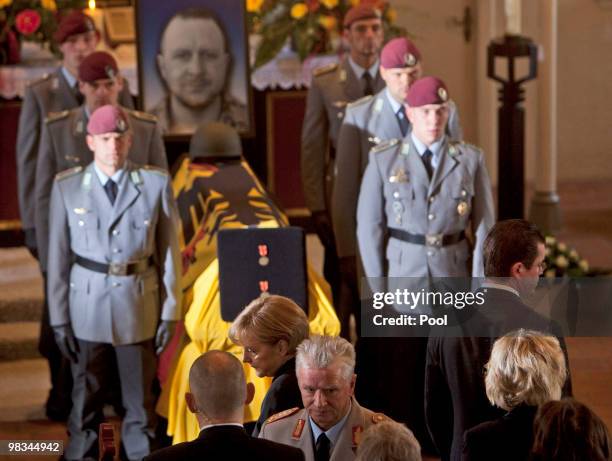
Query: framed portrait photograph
193	64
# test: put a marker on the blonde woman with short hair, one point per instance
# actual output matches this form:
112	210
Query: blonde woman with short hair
526	369
269	329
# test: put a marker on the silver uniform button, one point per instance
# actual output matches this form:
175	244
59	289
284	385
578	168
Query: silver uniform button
146	222
116	250
431	216
463	193
430	252
116	284
396	194
432	198
115	232
81	223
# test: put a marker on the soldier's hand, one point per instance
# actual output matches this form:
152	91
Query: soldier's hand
323	228
165	331
30	241
68	346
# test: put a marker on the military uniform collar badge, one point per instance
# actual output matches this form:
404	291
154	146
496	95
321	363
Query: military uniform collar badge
342	75
297	430
405	148
357	432
378	105
135	177
87	180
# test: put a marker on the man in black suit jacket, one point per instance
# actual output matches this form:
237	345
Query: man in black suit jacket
217	398
455	397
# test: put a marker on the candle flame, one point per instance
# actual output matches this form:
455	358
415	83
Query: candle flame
92	4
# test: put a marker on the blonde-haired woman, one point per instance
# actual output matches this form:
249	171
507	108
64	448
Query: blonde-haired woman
526	369
269	329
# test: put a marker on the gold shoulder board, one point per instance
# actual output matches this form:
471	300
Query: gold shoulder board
155	169
144	116
325	69
385	145
282	415
360	101
67	173
379	418
55	116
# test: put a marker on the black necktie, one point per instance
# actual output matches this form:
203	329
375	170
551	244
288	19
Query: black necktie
77	94
368	88
427	156
322	448
111	190
402	120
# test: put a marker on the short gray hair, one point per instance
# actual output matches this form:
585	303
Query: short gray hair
322	351
388	441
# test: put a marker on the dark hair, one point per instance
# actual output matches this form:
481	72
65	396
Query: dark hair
197	13
568	430
509	242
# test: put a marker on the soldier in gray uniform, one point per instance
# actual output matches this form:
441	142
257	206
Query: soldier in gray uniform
418	197
367	123
331	89
114	263
64	142
77	37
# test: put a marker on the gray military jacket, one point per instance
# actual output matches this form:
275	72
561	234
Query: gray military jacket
367	123
332	88
143	222
397	193
292	427
64	146
51	93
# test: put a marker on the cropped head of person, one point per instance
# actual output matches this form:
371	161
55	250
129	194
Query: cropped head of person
269	329
525	368
400	67
218	390
567	430
363	31
325	369
76	37
193	58
99	80
427	109
514	253
388	441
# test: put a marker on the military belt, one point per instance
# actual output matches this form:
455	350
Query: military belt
430	240
129	268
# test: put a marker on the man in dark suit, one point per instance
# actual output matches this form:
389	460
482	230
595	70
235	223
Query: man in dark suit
217	398
455	397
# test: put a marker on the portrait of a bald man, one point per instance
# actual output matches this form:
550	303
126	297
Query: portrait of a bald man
195	64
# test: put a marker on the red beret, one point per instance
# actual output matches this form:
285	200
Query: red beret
108	119
399	53
98	65
427	90
76	22
359	12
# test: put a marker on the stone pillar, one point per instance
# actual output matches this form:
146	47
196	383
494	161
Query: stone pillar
544	209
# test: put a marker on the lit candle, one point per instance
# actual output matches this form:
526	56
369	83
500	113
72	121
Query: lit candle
513	17
97	16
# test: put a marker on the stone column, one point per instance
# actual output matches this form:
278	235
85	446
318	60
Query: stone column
544	210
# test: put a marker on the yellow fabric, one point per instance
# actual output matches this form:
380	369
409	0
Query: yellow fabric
208	331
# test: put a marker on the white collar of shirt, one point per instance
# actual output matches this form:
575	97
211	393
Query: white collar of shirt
434	148
394	104
220	424
499	286
358	70
104	179
71	79
333	432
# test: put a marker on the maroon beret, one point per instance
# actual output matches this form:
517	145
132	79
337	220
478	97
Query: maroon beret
359	12
108	119
75	22
399	53
427	90
98	65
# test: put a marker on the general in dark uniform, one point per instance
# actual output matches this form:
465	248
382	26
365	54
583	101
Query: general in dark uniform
113	287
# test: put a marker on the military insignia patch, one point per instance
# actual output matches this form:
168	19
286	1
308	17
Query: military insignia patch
443	94
357	432
410	60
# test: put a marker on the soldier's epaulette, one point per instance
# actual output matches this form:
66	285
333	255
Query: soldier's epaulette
145	116
384	145
379	418
155	169
67	173
42	79
325	69
54	116
282	415
360	101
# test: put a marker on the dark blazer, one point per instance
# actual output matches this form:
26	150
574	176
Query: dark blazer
507	438
284	393
227	443
455	397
